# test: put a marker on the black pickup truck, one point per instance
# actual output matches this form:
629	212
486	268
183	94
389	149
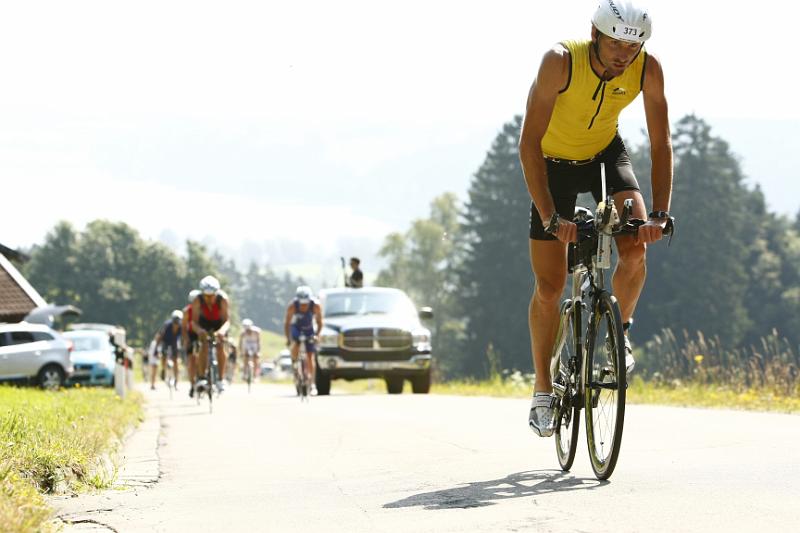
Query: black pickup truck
373	333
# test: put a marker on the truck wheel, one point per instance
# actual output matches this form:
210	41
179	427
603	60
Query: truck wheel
394	385
51	377
421	384
323	382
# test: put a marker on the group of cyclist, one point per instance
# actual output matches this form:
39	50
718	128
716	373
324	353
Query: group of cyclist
185	336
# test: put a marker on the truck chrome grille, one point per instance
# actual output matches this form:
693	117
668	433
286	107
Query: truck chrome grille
384	339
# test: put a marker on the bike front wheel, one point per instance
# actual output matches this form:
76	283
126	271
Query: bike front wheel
563	374
605	385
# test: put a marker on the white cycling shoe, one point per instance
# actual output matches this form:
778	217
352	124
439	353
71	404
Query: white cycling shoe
542	415
630	363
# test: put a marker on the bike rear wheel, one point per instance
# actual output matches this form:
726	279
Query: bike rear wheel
605	386
564	376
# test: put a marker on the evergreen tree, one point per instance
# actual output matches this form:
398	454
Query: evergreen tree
495	278
701	281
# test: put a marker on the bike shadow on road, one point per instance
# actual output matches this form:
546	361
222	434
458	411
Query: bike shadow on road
485	493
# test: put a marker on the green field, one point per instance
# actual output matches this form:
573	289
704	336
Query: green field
271	344
56	442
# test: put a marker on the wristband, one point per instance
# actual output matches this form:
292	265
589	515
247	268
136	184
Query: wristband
658	214
552	224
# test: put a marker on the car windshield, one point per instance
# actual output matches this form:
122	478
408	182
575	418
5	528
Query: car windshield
86	344
368	303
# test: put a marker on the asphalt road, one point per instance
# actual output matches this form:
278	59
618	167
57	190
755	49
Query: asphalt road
375	463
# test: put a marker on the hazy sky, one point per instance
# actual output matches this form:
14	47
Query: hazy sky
324	122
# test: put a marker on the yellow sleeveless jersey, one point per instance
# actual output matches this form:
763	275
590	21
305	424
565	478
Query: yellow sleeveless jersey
585	116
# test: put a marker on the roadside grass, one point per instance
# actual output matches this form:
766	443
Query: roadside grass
684	394
56	442
271	344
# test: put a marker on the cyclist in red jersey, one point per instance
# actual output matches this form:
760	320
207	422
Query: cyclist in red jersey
210	317
189	340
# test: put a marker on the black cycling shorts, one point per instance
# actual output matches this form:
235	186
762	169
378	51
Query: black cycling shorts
566	181
194	343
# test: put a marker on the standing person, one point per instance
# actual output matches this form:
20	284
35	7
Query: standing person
570	128
356	279
189	340
250	344
152	362
210	317
167	343
301	315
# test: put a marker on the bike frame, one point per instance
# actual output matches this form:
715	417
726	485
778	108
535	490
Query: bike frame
585	284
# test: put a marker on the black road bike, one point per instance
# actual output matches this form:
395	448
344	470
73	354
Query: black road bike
211	376
301	382
588	361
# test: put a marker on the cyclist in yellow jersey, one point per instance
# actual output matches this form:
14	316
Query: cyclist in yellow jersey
570	128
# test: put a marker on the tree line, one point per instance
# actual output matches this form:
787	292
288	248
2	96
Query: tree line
115	276
732	271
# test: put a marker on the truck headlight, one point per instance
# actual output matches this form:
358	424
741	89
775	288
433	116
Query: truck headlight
421	339
329	340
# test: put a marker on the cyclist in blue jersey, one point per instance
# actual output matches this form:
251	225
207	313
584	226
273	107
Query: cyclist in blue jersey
167	340
301	315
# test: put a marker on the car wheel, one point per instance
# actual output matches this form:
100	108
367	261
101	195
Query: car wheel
394	385
323	382
51	377
421	384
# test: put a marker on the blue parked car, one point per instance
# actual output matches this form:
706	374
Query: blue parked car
92	357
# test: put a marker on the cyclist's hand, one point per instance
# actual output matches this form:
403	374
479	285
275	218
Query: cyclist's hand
651	231
567	231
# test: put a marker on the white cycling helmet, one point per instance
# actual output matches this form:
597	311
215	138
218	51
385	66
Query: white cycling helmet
177	314
247	323
209	285
303	294
622	20
193	294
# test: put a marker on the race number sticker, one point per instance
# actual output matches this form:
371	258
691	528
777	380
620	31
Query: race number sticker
628	33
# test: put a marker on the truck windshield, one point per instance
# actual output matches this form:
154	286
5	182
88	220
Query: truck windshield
365	303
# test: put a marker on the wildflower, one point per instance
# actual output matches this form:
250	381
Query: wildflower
698	359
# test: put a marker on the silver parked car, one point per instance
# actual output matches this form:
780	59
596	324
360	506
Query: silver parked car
92	357
34	352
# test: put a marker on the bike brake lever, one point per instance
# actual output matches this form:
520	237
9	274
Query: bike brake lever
670	229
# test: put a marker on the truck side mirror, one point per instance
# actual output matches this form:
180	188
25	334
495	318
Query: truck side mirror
426	313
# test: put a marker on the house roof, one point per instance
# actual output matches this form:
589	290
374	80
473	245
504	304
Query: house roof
17	296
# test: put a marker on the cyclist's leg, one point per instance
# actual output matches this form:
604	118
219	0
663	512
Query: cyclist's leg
310	351
176	365
202	360
549	261
153	364
221	358
630	272
192	361
255	369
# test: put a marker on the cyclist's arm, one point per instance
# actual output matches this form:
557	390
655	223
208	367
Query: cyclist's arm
196	318
552	77
159	336
655	107
318	317
223	313
185	330
287	323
